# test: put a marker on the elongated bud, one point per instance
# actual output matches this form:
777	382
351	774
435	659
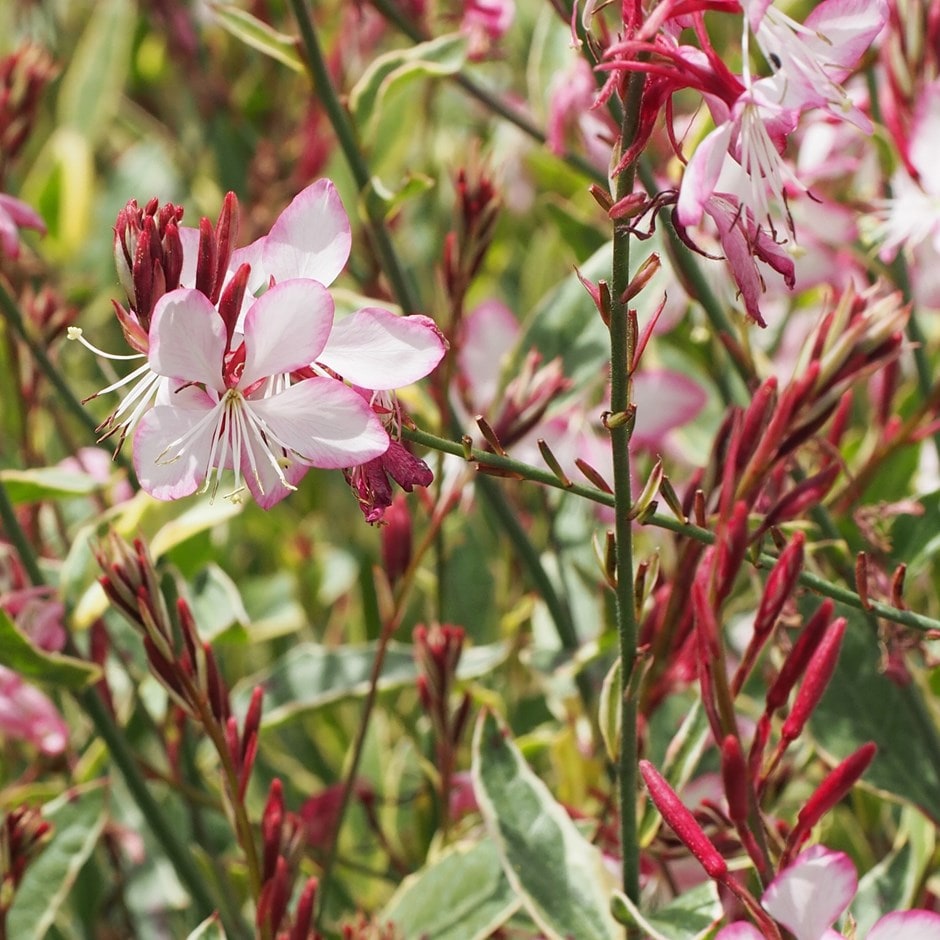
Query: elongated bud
800	655
897	587
755	419
805	494
644	274
780	584
682	822
734	778
731	549
593	475
648	493
836	785
549	457
272	822
230	302
303	916
818	673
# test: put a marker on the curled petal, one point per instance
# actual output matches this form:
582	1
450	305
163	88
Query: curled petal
377	349
310	238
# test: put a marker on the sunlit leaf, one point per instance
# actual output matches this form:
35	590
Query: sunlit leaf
689	917
444	55
556	872
259	35
33	486
463	895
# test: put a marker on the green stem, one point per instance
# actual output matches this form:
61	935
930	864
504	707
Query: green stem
524	471
346	135
53	374
622	348
178	853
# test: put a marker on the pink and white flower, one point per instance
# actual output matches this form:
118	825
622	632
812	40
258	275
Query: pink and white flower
230	403
810	895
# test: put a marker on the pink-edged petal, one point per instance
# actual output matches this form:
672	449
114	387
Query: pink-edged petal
29	715
849	27
264	481
324	423
925	138
167	469
907	925
377	349
311	237
251	255
702	173
187	339
664	400
739	931
489	334
286	329
809	895
754	10
189	239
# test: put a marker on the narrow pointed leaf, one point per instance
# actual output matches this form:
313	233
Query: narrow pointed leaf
259	35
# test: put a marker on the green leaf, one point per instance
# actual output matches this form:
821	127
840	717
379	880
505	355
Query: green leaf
259	35
861	704
78	817
896	881
689	917
444	55
311	676
33	486
209	929
18	654
556	872
216	602
205	514
93	83
609	710
464	895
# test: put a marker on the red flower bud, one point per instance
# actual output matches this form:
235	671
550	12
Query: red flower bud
800	655
682	822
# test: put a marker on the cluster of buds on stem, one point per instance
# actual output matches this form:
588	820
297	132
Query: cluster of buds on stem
23	76
437	652
282	838
466	245
189	673
23	833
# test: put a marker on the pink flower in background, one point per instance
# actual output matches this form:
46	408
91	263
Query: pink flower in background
810	895
232	404
14	215
573	121
29	715
485	22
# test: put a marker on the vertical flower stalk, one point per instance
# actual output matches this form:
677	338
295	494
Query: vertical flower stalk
622	346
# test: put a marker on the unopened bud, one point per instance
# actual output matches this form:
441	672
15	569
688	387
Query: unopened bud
682	822
396	539
795	663
644	274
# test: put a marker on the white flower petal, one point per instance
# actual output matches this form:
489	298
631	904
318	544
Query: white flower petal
808	896
739	931
323	422
310	238
286	329
907	925
187	339
171	451
489	333
377	349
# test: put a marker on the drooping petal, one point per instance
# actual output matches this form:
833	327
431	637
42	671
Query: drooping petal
808	896
907	925
323	422
377	349
187	339
311	237
172	446
701	174
286	328
664	400
489	334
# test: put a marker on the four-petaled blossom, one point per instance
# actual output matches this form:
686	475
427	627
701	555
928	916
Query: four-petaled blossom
231	403
810	894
